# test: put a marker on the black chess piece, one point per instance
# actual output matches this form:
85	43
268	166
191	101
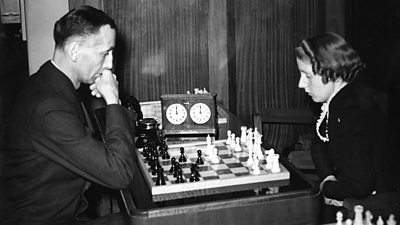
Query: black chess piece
200	160
176	169
172	169
180	178
182	158
194	175
156	167
160	176
165	154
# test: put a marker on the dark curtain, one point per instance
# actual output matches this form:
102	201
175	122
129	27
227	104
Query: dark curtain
266	71
162	46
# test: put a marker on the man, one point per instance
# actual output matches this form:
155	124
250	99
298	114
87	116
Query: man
50	155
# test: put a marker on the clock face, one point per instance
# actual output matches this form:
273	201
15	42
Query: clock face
176	113
200	113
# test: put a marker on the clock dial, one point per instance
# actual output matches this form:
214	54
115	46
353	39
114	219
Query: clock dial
176	113
200	113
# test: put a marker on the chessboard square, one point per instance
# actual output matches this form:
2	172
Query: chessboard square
225	171
165	163
227	176
208	173
219	167
234	165
204	168
231	160
243	159
238	170
211	178
242	174
222	147
185	165
242	154
225	156
225	152
186	171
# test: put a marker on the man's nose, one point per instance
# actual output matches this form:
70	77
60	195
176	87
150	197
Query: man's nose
108	62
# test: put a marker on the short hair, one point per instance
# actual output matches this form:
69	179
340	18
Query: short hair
331	57
80	22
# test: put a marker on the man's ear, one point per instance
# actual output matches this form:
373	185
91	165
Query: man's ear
72	50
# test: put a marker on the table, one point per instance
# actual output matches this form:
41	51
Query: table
298	201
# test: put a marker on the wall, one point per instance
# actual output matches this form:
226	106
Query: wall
40	18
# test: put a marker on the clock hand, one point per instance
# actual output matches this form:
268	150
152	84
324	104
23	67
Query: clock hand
200	109
176	110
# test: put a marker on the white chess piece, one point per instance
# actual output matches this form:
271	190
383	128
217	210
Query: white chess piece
255	167
368	218
208	140
233	140
391	220
275	164
349	222
249	137
214	157
339	218
237	147
209	150
228	139
380	221
243	136
250	160
269	158
358	215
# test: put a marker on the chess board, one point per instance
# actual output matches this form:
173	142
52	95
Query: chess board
229	175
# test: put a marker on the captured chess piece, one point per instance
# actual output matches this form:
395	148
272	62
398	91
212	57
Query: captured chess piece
182	158
194	173
179	178
200	160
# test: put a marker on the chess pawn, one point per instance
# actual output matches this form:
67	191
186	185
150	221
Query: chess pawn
179	178
172	169
349	222
256	169
182	158
250	160
214	156
233	142
199	160
160	176
228	139
339	218
237	147
208	140
243	136
275	164
380	221
358	215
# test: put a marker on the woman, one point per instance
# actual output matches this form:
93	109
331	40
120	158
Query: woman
349	151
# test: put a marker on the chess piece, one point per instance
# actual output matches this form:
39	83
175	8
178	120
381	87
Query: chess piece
237	147
176	169
358	215
275	164
228	139
172	169
160	176
391	220
233	141
250	159
255	167
249	138
269	158
368	218
214	156
339	218
243	136
349	222
208	140
194	175
200	160
179	178
182	158
380	221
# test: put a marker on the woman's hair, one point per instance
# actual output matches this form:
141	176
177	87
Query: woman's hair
331	57
80	22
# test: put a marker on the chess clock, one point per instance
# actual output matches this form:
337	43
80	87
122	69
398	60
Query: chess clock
188	114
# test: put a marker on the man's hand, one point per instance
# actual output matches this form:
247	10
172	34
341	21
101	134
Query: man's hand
106	86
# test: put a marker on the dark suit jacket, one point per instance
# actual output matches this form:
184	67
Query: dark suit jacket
356	151
50	155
